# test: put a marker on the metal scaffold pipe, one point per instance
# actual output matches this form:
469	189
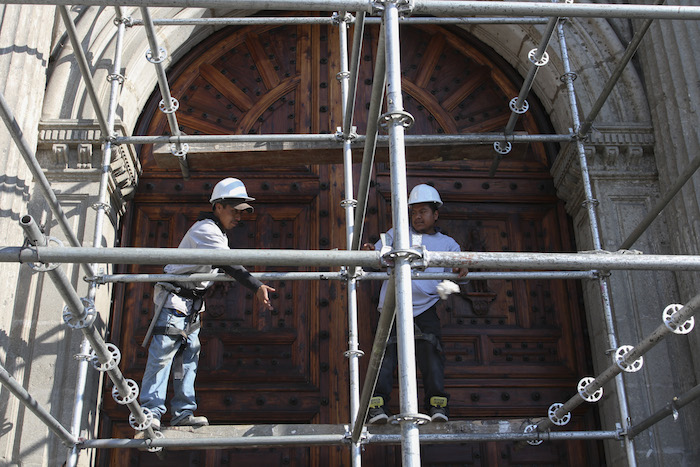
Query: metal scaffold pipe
84	67
350	96
338	439
240	21
462	20
101	207
348	86
252	21
448	8
662	203
381	337
339	276
397	120
615	76
411	140
375	108
29	402
168	105
36	170
335	258
519	105
628	358
590	204
670	409
82	316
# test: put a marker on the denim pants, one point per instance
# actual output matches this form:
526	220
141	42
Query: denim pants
161	353
429	360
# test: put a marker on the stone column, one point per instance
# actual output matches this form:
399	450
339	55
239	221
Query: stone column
624	181
670	64
25	45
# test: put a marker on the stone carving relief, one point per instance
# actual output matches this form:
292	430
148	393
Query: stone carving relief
71	151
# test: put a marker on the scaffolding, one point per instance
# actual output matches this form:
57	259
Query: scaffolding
405	259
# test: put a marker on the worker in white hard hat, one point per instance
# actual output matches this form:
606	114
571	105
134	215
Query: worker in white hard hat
176	323
424	203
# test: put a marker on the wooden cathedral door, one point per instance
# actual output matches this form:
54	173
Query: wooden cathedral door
512	347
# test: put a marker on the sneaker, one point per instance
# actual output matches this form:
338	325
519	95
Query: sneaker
155	424
189	420
438	414
377	416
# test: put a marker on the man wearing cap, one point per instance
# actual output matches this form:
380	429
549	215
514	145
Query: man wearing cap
176	323
424	202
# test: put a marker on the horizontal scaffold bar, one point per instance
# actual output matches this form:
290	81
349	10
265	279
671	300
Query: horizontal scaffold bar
332	139
421	7
240	436
330	275
256	20
367	259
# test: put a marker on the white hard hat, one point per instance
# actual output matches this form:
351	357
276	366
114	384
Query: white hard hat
231	189
424	194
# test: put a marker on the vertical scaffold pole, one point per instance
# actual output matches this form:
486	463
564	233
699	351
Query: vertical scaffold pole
353	353
397	120
101	208
590	204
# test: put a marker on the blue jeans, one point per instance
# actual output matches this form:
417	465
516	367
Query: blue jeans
161	353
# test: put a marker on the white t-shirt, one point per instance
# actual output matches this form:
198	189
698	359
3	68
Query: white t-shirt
425	290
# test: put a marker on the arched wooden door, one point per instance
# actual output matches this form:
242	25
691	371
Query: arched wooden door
512	347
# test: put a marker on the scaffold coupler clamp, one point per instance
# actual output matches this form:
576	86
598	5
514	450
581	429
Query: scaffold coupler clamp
384	252
352	135
405	7
621	432
43	267
532	428
364	435
128	21
346	17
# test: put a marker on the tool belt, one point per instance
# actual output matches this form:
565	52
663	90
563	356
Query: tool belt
192	324
419	335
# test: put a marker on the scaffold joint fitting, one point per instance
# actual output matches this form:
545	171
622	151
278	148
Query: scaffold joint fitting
115	358
621	360
584	392
542	61
556	419
671	322
401	117
162	55
181	151
502	148
128	398
353	353
171	108
84	320
415	418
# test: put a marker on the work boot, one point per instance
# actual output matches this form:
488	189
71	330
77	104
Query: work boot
189	420
377	415
438	414
438	409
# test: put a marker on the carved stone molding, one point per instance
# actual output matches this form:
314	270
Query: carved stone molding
71	151
623	153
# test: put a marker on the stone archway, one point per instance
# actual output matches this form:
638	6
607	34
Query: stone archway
282	79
